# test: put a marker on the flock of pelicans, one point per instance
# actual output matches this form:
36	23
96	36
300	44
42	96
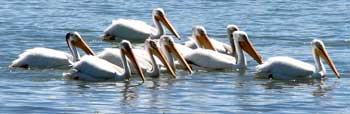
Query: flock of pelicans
161	54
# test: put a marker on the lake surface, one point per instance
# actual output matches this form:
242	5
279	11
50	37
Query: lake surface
275	27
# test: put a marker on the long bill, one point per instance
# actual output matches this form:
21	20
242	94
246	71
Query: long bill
204	42
162	58
129	53
324	54
80	43
162	18
248	47
171	48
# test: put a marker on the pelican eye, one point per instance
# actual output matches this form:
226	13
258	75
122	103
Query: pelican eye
318	45
153	44
159	13
243	37
201	31
74	37
233	29
168	40
125	44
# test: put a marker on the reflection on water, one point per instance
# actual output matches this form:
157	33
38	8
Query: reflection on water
323	89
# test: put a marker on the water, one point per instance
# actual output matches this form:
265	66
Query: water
276	27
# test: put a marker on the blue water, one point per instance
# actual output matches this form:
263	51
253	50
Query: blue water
276	27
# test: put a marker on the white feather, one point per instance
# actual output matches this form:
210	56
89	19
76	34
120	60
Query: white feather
43	58
92	68
285	68
210	59
130	29
219	46
113	56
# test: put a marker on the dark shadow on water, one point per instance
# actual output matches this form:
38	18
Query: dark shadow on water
280	84
323	89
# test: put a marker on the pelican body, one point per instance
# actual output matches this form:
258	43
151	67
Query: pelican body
45	58
204	59
287	68
92	68
136	30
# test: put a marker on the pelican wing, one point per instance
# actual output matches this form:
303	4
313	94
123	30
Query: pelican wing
285	68
190	43
184	50
209	59
130	29
221	47
113	56
43	58
95	68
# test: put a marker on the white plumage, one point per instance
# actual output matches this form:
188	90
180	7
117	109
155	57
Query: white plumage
283	67
135	30
43	58
113	56
130	29
204	59
148	63
93	68
219	46
289	68
200	39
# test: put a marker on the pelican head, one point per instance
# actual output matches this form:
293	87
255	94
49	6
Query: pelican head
160	16
153	48
169	46
230	29
126	48
244	43
320	51
201	38
74	40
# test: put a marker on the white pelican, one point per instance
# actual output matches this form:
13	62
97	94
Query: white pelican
136	30
204	59
148	64
200	39
49	58
290	68
92	68
170	48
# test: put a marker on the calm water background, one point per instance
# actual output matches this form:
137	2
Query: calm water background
276	27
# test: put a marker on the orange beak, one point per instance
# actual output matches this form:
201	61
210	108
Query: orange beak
204	42
80	43
162	18
129	53
248	47
156	51
324	54
171	48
